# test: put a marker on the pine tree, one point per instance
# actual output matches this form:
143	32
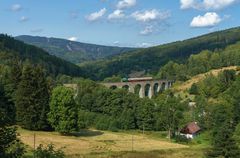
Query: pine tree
223	141
8	136
223	144
32	99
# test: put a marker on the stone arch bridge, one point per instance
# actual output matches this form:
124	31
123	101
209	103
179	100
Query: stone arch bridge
146	88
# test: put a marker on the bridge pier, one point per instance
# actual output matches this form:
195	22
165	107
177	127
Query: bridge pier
151	91
131	89
142	91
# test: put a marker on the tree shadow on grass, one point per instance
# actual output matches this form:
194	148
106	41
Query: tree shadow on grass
87	133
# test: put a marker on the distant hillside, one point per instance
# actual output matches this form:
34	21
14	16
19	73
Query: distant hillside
152	59
10	48
195	79
74	52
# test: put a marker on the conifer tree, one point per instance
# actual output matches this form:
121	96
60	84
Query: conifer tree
32	99
223	144
8	136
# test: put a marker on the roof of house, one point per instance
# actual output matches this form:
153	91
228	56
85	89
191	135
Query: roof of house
190	128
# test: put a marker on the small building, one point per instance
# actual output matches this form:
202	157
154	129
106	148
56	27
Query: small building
190	130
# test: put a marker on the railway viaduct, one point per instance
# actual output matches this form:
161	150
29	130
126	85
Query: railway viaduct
147	88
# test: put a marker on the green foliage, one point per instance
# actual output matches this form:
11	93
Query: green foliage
112	79
14	48
151	59
9	144
224	145
48	152
169	113
193	89
63	110
233	95
32	99
236	135
145	115
201	63
215	111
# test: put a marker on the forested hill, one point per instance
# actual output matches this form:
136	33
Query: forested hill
10	47
74	52
152	59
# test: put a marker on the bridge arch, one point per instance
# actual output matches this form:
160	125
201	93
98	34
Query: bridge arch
137	88
156	88
126	87
147	90
163	86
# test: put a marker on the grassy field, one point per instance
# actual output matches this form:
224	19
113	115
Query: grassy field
181	88
92	143
186	85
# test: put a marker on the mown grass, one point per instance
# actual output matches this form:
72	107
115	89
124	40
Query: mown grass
128	144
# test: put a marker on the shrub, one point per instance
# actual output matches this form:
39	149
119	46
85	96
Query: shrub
48	152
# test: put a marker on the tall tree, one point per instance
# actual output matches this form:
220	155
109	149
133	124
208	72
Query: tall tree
32	99
170	112
8	136
222	132
224	145
63	110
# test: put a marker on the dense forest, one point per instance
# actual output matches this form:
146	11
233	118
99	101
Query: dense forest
73	51
217	111
151	59
11	48
201	63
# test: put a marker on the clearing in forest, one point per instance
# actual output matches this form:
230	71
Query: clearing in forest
92	141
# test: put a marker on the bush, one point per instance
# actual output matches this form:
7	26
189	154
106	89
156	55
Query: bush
103	123
48	152
17	149
182	139
86	119
113	126
194	89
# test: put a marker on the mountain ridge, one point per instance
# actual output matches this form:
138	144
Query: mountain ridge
12	48
73	51
152	59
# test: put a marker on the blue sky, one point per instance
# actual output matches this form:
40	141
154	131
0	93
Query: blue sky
135	23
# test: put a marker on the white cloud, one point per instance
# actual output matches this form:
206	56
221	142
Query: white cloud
96	15
116	43
144	45
117	14
23	19
147	30
150	15
186	4
217	4
126	4
206	4
210	19
16	8
72	38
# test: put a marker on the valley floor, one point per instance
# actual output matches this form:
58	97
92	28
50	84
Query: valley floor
92	143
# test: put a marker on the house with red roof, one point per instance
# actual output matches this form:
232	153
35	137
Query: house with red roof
190	130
